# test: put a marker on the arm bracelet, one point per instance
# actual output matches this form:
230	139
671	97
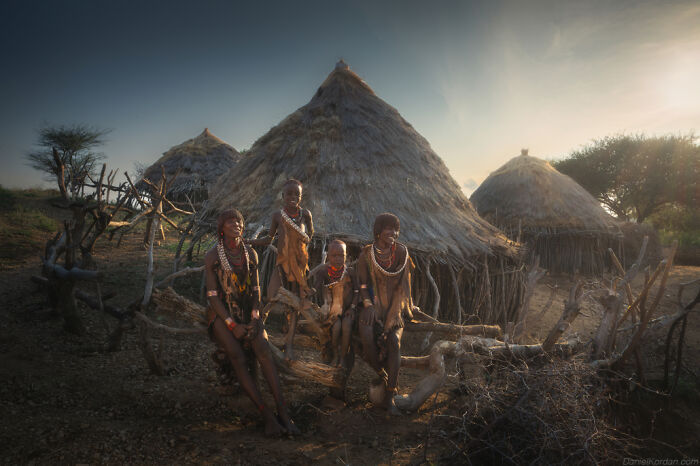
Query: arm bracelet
211	293
231	324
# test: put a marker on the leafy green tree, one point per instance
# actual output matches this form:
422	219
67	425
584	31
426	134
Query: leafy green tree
65	153
635	176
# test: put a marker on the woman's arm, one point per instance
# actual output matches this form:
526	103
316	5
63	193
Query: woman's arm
255	283
215	302
368	313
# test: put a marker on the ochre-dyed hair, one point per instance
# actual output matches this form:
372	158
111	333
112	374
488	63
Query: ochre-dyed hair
384	220
225	215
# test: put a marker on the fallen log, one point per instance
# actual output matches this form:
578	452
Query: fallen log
435	363
454	330
168	300
308	370
498	349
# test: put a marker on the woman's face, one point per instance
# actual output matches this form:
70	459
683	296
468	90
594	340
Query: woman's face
292	196
389	235
232	228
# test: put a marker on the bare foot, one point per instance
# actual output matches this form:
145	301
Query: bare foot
289	425
336	360
272	427
389	404
289	353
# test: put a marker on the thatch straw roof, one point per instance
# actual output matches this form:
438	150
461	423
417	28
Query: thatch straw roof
528	191
201	160
357	157
558	220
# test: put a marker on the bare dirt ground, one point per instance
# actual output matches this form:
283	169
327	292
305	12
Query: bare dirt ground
65	400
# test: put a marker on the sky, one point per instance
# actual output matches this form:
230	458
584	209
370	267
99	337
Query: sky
479	80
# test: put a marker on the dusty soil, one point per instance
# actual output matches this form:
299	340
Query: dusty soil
64	399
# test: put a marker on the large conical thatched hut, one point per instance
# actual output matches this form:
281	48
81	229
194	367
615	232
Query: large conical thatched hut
200	160
357	157
558	220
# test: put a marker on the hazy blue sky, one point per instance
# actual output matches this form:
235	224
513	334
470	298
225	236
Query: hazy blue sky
479	80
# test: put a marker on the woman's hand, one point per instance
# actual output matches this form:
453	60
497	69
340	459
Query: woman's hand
239	331
368	316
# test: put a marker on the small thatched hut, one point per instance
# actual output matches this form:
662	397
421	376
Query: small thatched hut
357	157
201	160
552	214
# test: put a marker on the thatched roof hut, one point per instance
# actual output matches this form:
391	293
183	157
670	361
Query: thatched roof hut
559	220
201	160
357	157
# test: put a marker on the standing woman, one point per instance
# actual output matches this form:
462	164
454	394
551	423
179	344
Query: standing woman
384	273
233	294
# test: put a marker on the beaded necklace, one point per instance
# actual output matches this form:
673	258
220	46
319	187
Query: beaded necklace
223	257
294	224
335	276
382	269
386	263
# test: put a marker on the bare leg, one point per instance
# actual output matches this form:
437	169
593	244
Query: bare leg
293	319
234	352
335	342
393	363
348	363
369	348
347	324
274	284
267	364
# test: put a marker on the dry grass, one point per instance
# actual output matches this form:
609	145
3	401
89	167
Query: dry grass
201	160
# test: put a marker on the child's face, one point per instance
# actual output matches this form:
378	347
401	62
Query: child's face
336	255
292	196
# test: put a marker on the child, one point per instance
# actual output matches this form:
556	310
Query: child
295	228
338	294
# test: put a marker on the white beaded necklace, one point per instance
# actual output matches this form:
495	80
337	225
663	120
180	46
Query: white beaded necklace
382	269
294	225
224	259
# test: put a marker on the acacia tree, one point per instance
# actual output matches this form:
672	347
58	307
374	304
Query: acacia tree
635	176
65	154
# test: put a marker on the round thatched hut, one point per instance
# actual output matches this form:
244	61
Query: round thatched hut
200	160
552	214
357	157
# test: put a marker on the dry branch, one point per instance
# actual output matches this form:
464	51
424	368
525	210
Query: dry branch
572	307
454	330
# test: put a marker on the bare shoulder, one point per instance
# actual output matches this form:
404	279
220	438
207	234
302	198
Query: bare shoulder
401	251
252	254
211	257
276	216
307	213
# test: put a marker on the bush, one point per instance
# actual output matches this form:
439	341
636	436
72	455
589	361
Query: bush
7	199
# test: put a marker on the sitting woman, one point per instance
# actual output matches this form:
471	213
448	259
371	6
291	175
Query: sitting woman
233	294
384	273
